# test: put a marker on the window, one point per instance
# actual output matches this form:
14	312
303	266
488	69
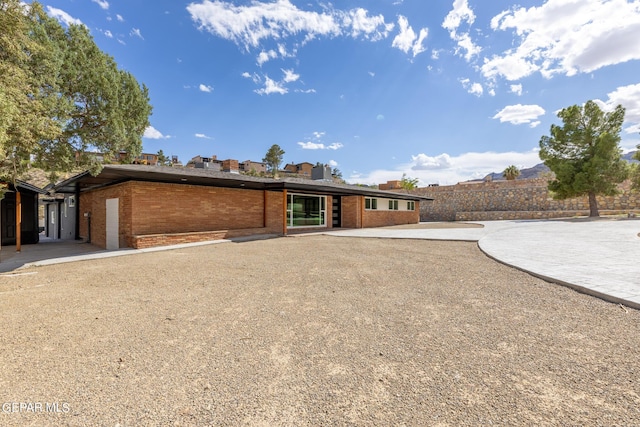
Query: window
370	203
306	210
411	206
72	201
393	205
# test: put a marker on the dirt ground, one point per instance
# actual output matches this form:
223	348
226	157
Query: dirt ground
311	331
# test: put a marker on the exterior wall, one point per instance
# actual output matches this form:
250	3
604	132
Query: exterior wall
94	203
517	199
390	185
153	214
61	219
352	207
386	217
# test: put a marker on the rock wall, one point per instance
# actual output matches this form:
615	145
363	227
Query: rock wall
518	199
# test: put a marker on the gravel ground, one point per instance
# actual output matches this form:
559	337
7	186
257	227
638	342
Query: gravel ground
311	331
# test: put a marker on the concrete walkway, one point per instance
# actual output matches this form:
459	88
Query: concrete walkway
598	257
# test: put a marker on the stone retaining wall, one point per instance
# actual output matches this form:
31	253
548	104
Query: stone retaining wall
518	199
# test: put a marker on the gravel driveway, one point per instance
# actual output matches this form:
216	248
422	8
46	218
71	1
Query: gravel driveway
311	331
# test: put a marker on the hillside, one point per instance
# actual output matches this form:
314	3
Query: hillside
538	170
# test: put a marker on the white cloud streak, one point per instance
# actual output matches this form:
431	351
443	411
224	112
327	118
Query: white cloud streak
318	146
566	37
520	114
407	40
249	25
153	133
446	169
205	88
461	13
62	16
102	3
629	98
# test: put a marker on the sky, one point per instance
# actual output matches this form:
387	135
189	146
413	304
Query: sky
443	91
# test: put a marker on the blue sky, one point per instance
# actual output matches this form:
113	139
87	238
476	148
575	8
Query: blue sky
443	91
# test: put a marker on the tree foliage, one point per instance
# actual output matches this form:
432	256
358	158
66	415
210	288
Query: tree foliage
61	97
584	153
511	172
273	159
408	183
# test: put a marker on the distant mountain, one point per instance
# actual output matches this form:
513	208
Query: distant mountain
537	170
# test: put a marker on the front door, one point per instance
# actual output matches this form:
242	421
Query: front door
337	212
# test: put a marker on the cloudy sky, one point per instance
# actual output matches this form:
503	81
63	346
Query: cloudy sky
444	91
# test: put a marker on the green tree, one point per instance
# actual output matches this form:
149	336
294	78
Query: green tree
585	154
635	170
511	172
162	159
408	183
273	159
28	63
61	97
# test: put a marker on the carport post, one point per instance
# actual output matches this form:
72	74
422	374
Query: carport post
284	211
18	221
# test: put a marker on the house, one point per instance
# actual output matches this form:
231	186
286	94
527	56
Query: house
303	168
28	208
391	185
136	206
257	167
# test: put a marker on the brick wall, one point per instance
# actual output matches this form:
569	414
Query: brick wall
351	207
157	213
374	218
517	199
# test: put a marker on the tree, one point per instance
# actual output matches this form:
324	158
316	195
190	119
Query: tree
61	97
635	170
585	154
162	159
273	159
408	183
511	173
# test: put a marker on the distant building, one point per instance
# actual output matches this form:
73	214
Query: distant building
248	166
303	169
391	185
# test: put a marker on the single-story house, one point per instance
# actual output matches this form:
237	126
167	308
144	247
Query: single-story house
142	206
28	214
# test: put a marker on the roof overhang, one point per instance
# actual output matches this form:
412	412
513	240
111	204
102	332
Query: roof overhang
115	174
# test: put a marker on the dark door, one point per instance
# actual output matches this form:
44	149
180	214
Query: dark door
337	212
8	221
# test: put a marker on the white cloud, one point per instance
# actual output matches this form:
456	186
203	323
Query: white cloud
290	76
461	13
629	98
153	133
202	136
517	89
63	16
102	3
319	135
135	32
406	40
108	34
271	86
520	114
446	169
120	18
249	25
318	146
265	56
566	37
205	88
473	88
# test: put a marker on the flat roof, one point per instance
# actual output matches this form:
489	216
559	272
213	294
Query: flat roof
114	174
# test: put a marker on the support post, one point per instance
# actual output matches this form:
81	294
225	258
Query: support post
18	221
284	212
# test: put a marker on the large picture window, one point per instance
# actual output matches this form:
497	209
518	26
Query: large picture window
306	210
